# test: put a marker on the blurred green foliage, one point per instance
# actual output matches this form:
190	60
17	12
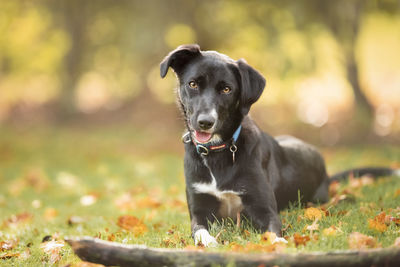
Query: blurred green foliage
328	62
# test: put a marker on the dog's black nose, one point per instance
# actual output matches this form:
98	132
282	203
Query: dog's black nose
205	121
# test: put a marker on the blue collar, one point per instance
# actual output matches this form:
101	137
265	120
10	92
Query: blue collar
205	149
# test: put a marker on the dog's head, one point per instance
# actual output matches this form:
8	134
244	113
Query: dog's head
215	91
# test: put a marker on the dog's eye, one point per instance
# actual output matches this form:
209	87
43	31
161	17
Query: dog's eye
193	84
226	90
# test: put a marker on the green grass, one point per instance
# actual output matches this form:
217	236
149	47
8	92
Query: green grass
45	172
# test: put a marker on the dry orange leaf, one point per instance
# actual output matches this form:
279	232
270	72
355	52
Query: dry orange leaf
359	241
236	247
9	256
300	239
173	241
313	213
8	244
268	237
50	213
132	224
18	219
380	217
148	202
378	223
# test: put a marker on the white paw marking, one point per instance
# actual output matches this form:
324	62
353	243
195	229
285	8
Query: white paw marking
396	172
279	240
205	238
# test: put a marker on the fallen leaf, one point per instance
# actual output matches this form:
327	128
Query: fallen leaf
325	211
331	231
18	219
397	193
378	223
132	224
235	247
300	239
268	237
50	214
360	241
7	256
8	244
148	202
111	237
313	213
380	217
53	250
174	241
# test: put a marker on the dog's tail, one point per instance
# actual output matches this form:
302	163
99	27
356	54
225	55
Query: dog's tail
358	172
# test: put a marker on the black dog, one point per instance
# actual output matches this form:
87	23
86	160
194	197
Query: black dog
231	166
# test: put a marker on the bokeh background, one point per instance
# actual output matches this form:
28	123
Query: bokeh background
332	67
90	133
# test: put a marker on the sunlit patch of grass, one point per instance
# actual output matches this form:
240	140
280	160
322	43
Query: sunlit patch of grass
79	182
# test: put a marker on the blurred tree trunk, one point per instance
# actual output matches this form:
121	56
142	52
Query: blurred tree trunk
73	16
343	18
363	109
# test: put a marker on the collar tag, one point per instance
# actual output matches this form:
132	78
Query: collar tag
202	150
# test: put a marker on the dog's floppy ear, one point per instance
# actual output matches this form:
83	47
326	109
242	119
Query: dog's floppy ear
252	83
178	58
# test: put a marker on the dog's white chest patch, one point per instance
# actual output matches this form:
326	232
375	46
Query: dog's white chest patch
230	200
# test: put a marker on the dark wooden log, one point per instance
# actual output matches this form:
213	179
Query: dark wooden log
112	253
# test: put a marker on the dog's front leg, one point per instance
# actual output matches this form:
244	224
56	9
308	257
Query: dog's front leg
202	209
261	209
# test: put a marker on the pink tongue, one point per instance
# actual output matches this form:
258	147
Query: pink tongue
202	137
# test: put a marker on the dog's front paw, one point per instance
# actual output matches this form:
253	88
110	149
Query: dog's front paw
279	240
203	236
